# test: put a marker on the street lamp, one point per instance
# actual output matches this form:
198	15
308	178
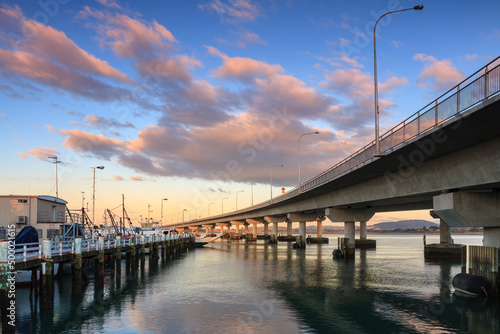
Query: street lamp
305	134
161	220
223	204
183	214
272	181
241	191
57	182
93	193
252	192
377	140
209	208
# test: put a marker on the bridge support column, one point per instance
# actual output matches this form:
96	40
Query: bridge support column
479	209
491	236
319	229
221	225
207	229
289	228
362	230
237	224
349	217
444	230
275	229
301	238
350	239
266	229
255	230
444	233
245	228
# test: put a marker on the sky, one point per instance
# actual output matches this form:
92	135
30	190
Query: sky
200	102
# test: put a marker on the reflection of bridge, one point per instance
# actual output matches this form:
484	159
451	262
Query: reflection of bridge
444	158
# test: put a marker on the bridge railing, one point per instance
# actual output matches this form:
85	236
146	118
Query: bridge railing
481	85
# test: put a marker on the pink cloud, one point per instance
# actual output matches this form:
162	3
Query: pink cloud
128	37
235	11
109	3
437	74
42	153
242	68
22	155
48	73
357	89
44	41
85	142
118	178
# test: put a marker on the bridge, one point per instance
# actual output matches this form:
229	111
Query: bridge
444	158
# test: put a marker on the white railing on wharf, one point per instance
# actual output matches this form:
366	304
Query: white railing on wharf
30	251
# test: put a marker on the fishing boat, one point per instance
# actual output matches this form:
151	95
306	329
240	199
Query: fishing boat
470	285
202	241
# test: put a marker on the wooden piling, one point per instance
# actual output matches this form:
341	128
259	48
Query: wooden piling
76	268
483	261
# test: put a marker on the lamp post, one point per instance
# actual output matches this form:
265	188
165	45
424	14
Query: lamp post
252	192
209	208
57	181
377	140
272	181
183	214
223	204
241	191
93	193
298	149
161	220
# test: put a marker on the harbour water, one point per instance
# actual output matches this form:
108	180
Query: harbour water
240	287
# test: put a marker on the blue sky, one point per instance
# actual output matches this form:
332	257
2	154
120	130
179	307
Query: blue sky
196	100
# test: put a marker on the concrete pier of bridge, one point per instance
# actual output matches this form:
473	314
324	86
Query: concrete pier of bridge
349	217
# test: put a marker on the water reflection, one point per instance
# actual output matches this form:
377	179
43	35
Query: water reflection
244	287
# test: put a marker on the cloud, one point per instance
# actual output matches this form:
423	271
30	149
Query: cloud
118	178
3	115
438	75
244	69
233	10
22	155
39	40
103	122
141	178
43	153
355	88
109	3
48	73
43	55
85	142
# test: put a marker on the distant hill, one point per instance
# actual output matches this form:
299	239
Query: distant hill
404	224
